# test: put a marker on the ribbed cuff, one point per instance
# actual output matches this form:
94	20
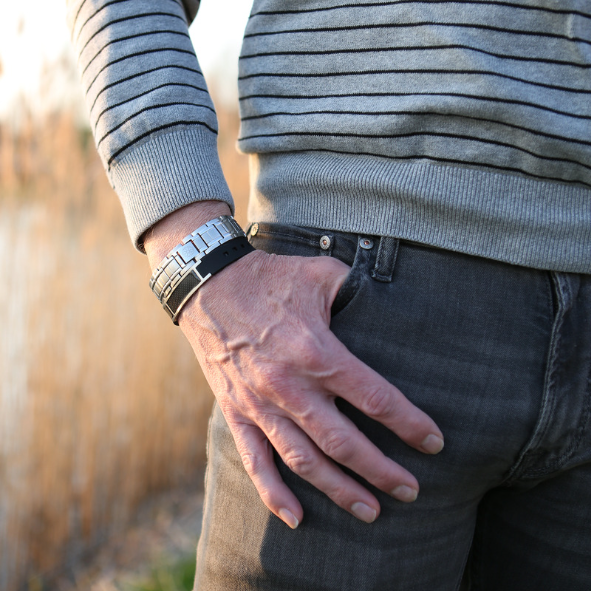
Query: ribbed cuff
166	172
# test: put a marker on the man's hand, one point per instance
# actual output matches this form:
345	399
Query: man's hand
260	330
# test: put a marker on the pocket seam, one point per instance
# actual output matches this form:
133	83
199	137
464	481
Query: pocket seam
352	284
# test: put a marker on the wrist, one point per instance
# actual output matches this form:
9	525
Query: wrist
171	230
201	254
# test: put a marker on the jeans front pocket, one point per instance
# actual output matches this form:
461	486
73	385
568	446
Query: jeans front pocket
288	240
357	275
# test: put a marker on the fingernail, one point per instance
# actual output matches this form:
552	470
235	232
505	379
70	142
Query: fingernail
289	518
432	444
405	493
363	512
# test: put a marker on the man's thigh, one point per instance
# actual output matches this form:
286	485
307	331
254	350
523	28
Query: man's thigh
535	532
466	340
535	539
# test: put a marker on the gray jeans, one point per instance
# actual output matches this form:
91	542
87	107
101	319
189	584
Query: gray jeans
499	356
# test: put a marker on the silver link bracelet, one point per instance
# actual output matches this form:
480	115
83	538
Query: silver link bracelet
178	276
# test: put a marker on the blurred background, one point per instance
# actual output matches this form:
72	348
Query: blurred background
101	455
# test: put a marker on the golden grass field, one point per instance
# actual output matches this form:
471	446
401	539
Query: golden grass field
90	421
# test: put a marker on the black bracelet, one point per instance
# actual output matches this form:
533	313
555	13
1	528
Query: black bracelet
202	254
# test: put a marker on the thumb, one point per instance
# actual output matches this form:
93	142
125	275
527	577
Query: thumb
331	274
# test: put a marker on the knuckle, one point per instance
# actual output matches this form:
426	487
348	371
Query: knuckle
378	402
274	380
252	463
414	423
307	352
267	497
269	376
301	462
412	428
384	481
341	496
337	445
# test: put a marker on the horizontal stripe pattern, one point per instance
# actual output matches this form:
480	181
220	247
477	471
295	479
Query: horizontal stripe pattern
503	86
345	5
417	119
139	72
431	24
153	120
346	50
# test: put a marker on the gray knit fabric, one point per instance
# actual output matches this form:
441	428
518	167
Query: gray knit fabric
465	125
152	118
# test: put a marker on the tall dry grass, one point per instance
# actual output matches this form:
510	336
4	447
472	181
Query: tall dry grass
101	400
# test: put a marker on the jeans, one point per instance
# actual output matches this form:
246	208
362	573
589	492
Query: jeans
499	356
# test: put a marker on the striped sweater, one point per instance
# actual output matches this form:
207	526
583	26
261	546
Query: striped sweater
464	125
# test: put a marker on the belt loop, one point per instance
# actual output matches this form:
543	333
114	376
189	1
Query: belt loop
386	259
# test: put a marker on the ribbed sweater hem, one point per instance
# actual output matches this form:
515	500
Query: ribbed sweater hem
510	218
166	172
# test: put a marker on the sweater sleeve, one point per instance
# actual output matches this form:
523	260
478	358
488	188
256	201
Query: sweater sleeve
153	121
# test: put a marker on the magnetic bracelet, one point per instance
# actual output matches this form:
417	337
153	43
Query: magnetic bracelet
191	263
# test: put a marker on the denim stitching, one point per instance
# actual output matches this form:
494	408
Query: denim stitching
352	283
575	443
549	386
572	448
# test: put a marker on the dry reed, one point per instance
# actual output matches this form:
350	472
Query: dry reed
90	420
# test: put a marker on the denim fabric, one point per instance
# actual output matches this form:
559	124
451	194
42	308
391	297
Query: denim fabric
500	357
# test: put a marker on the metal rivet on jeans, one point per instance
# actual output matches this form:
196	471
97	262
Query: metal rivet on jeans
325	243
254	229
366	243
